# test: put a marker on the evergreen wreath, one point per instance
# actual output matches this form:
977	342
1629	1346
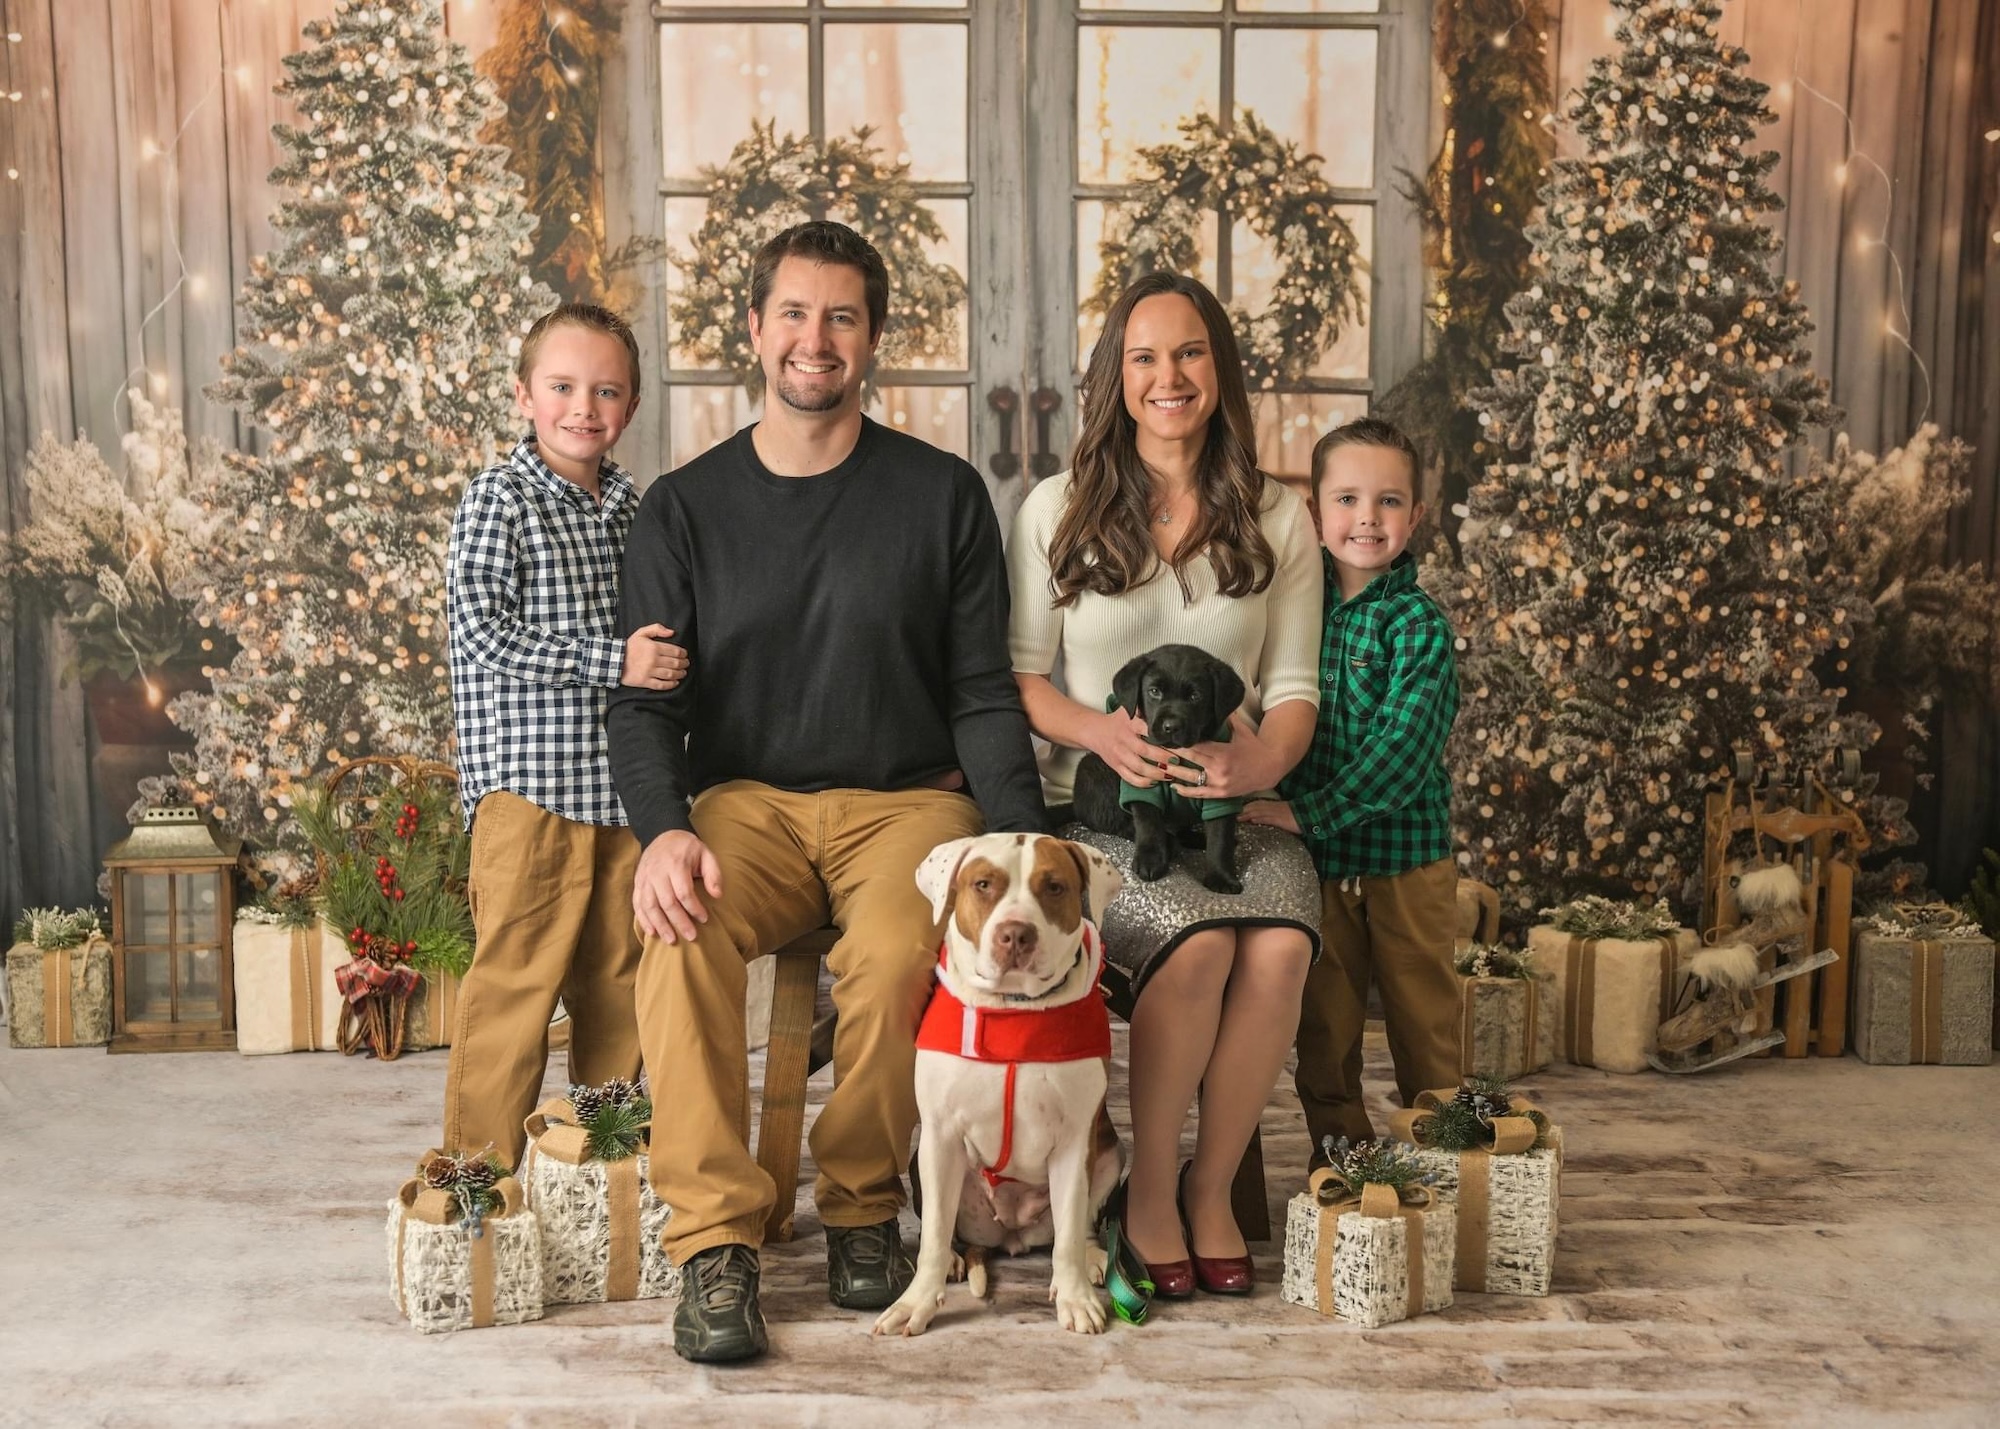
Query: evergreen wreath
1244	172
769	184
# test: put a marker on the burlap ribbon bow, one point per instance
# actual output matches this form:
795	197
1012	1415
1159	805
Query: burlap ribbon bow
553	1132
1511	1135
438	1208
1380	1203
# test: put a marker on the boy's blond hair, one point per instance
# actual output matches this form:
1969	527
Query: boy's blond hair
584	315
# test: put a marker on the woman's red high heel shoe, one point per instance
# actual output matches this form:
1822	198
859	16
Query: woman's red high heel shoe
1214	1274
1172	1279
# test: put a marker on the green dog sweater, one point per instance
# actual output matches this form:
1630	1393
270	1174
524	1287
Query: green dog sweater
1159	795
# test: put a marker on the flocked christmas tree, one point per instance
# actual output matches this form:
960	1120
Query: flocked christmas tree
1635	597
376	347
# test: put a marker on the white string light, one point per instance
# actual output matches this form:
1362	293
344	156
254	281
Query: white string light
171	230
1841	174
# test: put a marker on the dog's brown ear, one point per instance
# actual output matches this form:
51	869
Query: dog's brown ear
1128	686
1100	878
1228	691
938	873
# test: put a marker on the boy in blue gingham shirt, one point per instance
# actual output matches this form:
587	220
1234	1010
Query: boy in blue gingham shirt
532	598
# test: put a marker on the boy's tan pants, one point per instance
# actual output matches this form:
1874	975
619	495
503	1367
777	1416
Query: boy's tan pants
790	862
1397	932
552	910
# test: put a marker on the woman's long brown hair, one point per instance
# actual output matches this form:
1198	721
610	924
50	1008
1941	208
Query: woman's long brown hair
1104	542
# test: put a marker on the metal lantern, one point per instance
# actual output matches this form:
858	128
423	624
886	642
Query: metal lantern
173	909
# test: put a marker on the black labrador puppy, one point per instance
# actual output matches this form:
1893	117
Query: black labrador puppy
1185	695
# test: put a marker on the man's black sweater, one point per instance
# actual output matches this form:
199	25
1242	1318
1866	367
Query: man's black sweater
845	631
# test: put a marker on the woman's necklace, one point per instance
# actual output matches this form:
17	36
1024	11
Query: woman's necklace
1166	516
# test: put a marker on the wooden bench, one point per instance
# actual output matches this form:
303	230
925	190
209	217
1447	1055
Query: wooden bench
800	1046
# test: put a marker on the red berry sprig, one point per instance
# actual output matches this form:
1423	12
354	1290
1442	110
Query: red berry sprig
385	879
374	945
406	824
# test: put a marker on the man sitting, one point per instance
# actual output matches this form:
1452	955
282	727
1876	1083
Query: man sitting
841	593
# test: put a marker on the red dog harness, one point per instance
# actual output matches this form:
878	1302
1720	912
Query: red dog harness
1072	1032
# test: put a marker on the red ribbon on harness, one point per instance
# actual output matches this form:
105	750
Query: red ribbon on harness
1071	1032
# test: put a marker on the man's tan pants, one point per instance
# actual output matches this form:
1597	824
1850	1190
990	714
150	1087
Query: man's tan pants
1396	932
790	863
552	911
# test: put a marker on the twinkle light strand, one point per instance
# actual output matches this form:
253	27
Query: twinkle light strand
171	229
1881	240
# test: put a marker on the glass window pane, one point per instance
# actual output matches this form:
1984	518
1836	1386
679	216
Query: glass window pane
951	217
887	4
195	907
939	415
1133	86
1310	7
1289	423
684	219
700	417
1207	5
1254	272
716	78
1090	215
149	989
146	908
200	974
1316	88
734	4
907	83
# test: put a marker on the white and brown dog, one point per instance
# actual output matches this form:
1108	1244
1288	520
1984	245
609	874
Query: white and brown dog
1012	1062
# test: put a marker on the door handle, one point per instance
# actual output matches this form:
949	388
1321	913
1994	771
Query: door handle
1005	464
1044	463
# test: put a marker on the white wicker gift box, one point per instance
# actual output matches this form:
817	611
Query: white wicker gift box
1506	1195
447	1275
1369	1260
600	1220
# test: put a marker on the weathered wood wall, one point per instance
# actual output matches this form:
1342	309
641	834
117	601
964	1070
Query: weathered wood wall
142	142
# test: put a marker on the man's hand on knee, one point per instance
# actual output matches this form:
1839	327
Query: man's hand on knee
664	895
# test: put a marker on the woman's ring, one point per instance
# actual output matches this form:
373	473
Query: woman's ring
1201	780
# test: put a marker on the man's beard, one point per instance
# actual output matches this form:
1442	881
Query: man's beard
808	398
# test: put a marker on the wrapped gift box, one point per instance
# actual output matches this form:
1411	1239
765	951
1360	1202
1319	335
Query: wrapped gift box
446	1278
1923	1000
285	997
59	997
1370	1262
431	1013
1478	913
1610	995
600	1220
1506	1195
1506	1022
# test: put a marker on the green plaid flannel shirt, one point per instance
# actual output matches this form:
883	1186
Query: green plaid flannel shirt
1372	796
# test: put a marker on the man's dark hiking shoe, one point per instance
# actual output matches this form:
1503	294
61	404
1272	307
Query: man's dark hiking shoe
718	1318
866	1266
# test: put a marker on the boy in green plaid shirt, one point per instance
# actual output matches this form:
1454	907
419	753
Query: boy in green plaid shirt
1372	799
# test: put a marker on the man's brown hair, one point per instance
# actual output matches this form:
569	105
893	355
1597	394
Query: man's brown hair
584	315
823	241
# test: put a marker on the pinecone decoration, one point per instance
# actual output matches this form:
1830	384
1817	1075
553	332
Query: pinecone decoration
618	1091
1487	1098
585	1102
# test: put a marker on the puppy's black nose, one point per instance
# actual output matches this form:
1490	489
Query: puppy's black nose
1014	945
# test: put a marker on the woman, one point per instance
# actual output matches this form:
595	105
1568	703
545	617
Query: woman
1165	531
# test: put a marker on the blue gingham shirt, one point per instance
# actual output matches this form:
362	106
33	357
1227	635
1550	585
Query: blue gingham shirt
531	591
